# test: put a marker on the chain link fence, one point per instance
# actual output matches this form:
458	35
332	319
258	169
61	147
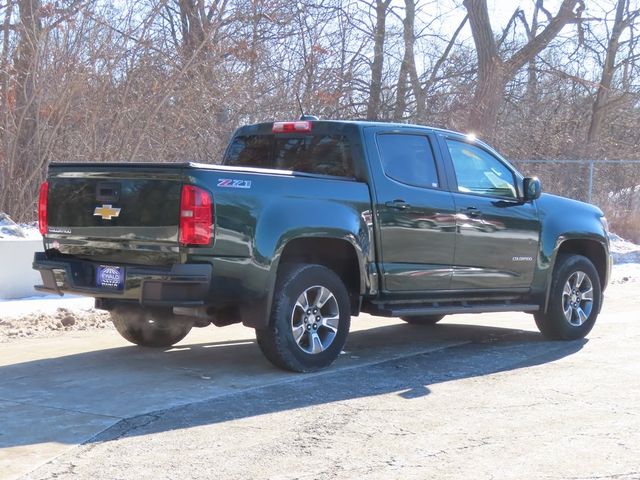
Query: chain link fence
613	185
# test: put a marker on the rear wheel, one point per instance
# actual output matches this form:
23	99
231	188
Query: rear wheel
310	319
574	300
423	319
149	327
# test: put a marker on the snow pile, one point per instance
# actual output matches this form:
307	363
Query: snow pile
10	229
37	323
626	260
623	251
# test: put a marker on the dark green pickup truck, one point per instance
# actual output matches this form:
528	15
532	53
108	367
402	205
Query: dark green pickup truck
308	223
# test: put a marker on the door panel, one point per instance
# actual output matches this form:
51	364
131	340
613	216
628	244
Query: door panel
497	234
497	243
416	218
417	242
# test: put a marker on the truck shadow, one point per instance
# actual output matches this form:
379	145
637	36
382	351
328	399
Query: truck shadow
208	383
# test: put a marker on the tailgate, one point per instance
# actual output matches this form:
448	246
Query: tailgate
124	213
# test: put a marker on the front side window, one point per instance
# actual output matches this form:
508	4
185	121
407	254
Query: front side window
408	159
479	172
323	154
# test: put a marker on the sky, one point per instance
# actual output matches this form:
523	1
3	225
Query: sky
500	11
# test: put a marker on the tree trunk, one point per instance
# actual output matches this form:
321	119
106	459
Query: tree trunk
491	82
604	87
375	90
409	41
493	71
193	28
532	68
408	65
487	99
26	108
401	93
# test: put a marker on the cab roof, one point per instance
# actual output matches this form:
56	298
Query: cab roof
324	126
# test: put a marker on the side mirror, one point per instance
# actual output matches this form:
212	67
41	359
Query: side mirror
532	188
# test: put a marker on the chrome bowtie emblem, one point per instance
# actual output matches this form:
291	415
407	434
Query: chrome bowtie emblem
107	212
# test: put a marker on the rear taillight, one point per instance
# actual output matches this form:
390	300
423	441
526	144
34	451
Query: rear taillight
43	224
291	127
196	216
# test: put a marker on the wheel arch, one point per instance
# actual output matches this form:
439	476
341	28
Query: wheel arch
339	255
592	249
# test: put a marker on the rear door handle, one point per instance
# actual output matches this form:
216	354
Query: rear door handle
397	204
472	211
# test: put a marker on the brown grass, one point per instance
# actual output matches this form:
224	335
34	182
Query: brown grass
628	226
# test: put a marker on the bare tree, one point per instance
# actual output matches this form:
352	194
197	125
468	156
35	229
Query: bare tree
494	71
408	68
169	80
624	19
379	33
26	66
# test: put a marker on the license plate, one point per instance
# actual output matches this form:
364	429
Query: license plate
111	277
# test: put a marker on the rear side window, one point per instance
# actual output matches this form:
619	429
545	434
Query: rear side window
408	159
323	154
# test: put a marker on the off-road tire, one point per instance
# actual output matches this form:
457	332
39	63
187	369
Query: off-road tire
149	327
277	340
424	320
554	324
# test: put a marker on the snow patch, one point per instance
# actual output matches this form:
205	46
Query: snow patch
623	251
13	230
44	304
625	273
626	260
625	194
51	315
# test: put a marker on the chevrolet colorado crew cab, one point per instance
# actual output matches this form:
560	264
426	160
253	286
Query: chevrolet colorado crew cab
308	223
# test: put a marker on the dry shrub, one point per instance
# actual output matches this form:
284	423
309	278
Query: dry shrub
623	212
628	227
147	80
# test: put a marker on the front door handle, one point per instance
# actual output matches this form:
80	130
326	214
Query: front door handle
397	204
472	212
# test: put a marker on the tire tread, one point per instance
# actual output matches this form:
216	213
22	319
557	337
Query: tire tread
126	319
272	342
552	323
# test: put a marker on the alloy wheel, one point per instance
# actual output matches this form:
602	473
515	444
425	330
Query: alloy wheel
577	298
314	320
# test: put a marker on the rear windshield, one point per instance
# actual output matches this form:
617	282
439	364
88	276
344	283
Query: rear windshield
323	154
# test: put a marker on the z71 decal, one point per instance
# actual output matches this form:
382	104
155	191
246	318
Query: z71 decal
229	183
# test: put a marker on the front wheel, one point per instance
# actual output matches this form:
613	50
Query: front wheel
149	327
574	300
310	319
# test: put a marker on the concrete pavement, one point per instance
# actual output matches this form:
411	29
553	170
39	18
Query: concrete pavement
401	390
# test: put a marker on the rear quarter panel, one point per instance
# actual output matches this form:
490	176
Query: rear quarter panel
257	214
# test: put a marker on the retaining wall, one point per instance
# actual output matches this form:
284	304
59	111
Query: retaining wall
17	278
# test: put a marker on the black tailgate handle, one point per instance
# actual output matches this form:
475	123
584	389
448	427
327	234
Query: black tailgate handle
108	192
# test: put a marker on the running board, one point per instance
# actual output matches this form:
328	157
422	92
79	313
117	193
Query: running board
404	311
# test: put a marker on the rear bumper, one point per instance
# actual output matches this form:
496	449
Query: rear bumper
179	285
